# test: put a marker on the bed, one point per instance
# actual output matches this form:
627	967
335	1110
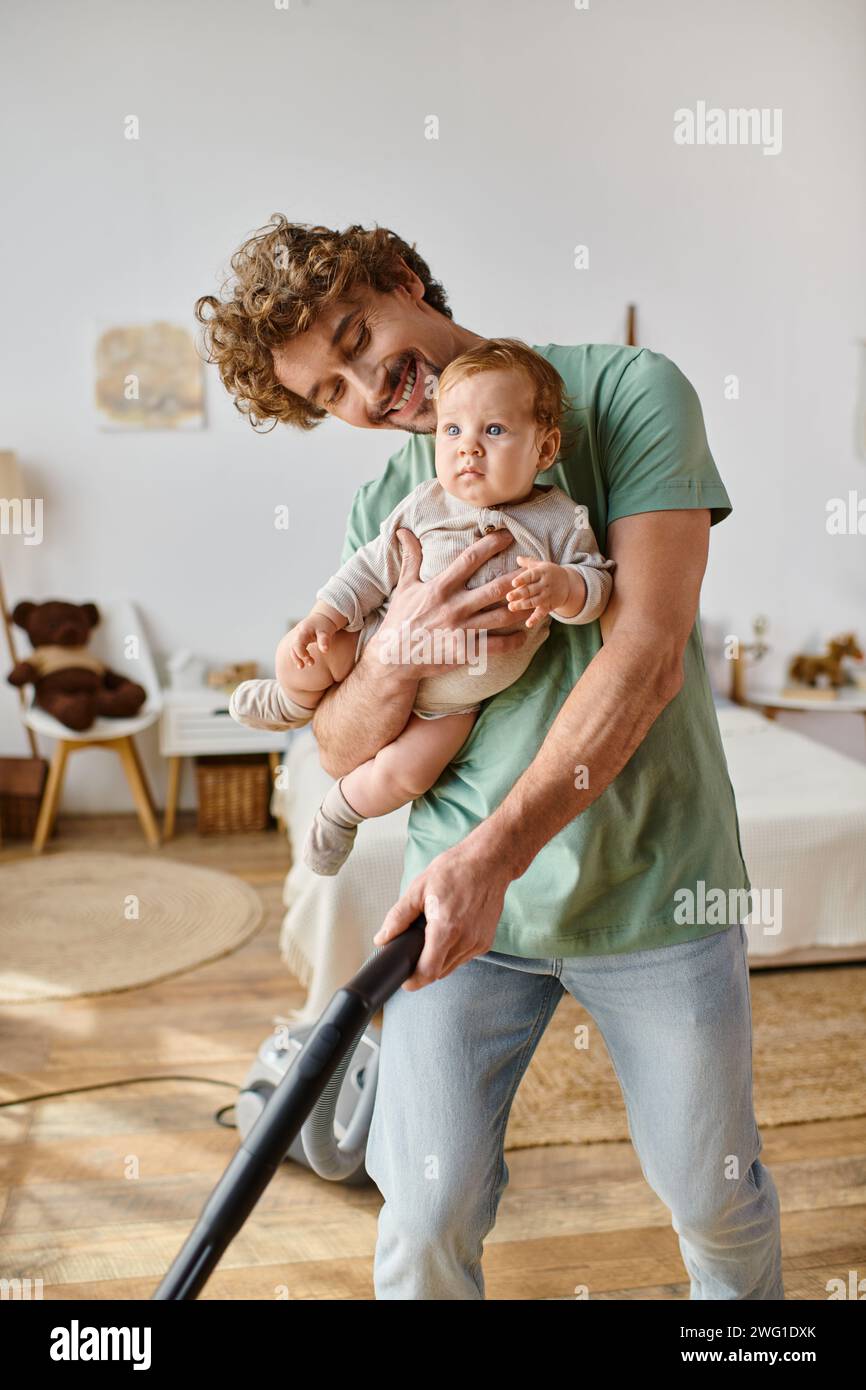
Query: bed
802	809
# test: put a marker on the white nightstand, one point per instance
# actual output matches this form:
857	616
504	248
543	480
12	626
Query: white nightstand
198	721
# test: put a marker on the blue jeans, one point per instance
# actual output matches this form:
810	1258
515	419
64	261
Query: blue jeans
677	1024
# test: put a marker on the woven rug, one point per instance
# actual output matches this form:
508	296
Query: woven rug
809	1040
82	923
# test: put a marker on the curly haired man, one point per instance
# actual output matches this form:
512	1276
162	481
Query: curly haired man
549	854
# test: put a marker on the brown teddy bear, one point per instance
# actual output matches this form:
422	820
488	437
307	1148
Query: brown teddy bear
70	682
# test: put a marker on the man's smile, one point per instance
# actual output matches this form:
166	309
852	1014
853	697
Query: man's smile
405	399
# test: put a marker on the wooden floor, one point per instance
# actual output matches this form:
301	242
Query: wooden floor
99	1190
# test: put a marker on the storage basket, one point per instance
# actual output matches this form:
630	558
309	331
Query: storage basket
233	793
22	783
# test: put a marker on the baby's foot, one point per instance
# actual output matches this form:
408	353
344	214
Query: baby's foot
331	837
328	846
265	705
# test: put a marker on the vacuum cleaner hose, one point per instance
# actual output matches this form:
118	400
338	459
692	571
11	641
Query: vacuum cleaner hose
331	1158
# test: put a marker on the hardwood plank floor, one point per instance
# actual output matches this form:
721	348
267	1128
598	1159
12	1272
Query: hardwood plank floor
99	1190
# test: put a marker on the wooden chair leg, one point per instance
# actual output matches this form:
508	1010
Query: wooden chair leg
174	767
51	795
139	788
143	775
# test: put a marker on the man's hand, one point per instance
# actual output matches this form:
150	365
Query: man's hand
461	893
445	606
368	709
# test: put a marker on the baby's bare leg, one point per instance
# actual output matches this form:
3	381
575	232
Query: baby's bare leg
290	701
408	767
400	772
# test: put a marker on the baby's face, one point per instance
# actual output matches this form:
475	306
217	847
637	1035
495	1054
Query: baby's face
487	439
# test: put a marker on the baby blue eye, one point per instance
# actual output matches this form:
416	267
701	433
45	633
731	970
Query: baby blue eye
495	427
449	428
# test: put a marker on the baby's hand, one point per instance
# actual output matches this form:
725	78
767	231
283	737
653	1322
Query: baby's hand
541	586
313	631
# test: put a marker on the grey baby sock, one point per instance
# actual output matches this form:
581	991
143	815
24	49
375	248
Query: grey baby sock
331	836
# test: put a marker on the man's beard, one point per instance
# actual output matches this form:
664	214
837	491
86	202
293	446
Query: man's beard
422	423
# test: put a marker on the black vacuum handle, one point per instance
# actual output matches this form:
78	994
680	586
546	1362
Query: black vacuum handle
383	974
267	1143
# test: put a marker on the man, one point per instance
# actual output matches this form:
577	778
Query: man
589	796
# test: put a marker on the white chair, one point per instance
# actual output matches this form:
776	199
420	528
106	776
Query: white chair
110	640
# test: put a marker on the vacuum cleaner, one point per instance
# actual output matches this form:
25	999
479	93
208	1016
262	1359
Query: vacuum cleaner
296	1117
353	1105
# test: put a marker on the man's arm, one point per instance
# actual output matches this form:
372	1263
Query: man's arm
363	712
660	558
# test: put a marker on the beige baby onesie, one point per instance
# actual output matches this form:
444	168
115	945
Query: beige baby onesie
548	526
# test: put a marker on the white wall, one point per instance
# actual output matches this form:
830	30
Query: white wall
556	128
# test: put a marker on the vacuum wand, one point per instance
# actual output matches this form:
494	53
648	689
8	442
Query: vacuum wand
267	1143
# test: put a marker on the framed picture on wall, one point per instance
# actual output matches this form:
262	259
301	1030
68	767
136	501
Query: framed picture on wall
147	376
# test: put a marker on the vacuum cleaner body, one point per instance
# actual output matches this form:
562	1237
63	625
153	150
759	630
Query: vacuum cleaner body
276	1056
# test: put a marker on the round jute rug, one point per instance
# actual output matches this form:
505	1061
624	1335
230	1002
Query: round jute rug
809	1044
83	923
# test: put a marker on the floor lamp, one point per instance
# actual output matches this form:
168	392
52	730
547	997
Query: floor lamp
11	491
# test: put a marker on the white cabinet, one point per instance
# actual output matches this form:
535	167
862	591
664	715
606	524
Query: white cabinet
198	722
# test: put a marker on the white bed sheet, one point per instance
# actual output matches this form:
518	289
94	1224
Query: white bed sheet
802	809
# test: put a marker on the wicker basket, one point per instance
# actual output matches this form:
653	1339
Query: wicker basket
22	782
233	793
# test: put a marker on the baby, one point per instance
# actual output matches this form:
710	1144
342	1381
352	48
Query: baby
498	412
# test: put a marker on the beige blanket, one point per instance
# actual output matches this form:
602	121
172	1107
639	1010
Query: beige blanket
329	925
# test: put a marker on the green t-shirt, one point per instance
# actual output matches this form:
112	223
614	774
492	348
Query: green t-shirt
606	883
